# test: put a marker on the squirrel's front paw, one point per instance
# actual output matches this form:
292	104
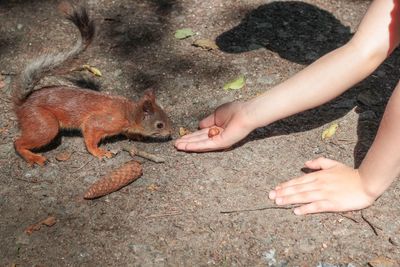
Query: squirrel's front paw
100	154
37	159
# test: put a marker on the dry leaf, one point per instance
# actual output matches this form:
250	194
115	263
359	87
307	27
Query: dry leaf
93	70
117	179
31	228
50	221
205	44
382	261
183	131
63	156
153	187
328	133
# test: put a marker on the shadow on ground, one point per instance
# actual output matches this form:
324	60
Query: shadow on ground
302	33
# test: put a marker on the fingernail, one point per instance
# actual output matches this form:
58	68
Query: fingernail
278	200
272	194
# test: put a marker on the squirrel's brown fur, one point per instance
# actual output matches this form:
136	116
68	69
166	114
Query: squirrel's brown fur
43	112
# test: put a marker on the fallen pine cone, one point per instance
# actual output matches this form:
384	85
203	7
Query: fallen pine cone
117	179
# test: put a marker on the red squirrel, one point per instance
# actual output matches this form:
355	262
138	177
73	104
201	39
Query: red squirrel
43	112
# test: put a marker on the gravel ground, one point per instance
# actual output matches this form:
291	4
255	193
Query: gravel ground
194	209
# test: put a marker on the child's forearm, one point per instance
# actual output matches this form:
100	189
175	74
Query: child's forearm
382	163
332	74
320	82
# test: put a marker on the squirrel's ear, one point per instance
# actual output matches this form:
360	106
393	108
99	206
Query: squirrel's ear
149	94
147	102
147	107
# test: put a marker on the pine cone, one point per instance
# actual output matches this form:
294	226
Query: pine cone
117	179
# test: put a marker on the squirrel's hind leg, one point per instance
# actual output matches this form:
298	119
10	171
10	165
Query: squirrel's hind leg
38	128
97	127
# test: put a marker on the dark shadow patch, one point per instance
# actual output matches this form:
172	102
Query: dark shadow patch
83	81
302	33
56	142
297	31
165	7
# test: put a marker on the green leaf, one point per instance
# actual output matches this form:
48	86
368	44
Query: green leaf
184	33
328	133
236	84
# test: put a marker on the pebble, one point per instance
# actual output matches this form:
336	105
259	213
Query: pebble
22	239
5	150
255	46
367	115
269	257
394	240
347	104
90	179
266	80
368	98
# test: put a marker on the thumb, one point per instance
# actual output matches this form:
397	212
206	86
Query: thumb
321	163
207	122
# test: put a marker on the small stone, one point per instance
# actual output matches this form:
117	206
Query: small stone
369	98
5	150
394	240
266	80
367	115
117	73
255	46
19	26
269	257
90	179
22	239
381	73
318	150
345	104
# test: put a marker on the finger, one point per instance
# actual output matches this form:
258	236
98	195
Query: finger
321	163
308	178
300	198
296	189
182	144
208	144
196	133
202	146
315	207
207	122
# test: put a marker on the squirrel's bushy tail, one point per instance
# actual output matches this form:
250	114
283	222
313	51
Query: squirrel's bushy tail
36	69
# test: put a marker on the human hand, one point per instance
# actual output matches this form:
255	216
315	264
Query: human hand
334	188
231	119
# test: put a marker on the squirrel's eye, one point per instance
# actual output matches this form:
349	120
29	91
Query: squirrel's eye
160	125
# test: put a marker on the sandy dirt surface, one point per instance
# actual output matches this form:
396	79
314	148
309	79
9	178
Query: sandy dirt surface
194	209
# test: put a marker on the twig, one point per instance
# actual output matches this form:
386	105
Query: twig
34	181
348	217
8	73
373	227
258	209
83	165
5	100
133	151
